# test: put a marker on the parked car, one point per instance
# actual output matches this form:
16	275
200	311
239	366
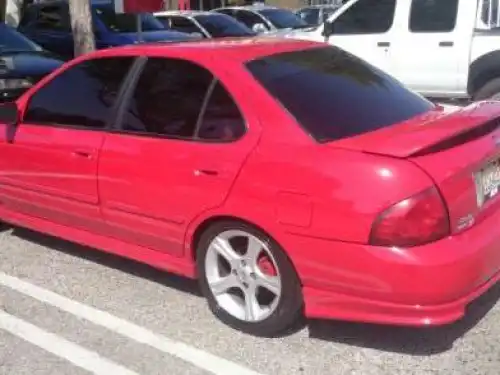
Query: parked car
204	24
315	15
264	18
457	43
48	24
22	63
168	160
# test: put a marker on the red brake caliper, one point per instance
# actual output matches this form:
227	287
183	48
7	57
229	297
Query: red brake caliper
266	266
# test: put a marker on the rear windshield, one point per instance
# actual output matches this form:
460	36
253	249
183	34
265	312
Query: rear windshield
334	95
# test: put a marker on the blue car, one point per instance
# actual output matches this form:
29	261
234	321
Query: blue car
22	63
48	24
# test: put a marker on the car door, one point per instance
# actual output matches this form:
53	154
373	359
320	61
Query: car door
49	162
440	34
366	29
51	29
181	142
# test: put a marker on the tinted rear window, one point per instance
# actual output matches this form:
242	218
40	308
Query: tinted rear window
333	94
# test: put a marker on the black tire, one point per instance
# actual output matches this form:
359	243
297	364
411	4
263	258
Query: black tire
488	90
290	306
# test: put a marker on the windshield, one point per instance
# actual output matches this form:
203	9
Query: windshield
333	94
220	25
283	19
13	41
127	23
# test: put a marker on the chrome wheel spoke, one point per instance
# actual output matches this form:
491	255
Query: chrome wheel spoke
223	284
271	283
224	249
252	307
254	248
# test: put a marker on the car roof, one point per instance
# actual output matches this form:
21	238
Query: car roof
255	7
240	49
185	13
320	6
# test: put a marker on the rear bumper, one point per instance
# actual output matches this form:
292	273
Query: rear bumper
330	305
428	285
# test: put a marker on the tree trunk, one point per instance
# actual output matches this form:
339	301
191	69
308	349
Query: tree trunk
81	23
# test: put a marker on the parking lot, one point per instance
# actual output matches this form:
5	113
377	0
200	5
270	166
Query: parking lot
71	310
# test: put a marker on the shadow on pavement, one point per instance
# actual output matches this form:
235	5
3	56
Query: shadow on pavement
112	261
412	341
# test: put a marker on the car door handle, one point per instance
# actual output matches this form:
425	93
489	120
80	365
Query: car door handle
206	172
83	153
383	44
446	44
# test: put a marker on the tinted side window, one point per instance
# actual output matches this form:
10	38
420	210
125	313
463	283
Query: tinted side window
324	86
433	15
366	17
81	96
167	99
310	15
249	18
54	18
222	119
184	25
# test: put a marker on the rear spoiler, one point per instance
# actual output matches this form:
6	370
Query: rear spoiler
431	132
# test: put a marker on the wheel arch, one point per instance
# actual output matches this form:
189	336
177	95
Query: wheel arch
482	70
209	221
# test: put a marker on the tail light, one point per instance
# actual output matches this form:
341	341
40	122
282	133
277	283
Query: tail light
417	220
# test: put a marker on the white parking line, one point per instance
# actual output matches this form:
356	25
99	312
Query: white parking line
79	356
197	357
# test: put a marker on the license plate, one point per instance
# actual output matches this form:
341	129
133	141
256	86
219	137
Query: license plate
487	182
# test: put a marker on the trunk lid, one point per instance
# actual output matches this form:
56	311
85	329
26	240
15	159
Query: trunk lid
459	148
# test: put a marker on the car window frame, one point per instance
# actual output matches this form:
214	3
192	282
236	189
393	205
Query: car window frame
113	110
117	125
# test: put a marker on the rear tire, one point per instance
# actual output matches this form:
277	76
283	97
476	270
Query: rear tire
490	90
250	285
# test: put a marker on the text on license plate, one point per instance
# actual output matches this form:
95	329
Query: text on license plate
487	182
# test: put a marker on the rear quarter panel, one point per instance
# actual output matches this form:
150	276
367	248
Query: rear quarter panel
291	185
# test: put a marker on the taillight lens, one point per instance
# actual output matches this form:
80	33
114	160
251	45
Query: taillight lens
418	220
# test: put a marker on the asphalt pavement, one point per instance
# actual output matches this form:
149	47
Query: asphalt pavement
69	310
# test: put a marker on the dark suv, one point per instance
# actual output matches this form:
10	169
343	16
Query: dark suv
48	24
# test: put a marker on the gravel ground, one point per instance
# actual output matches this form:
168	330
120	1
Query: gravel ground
171	306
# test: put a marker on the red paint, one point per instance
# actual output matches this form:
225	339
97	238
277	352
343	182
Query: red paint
141	197
139	6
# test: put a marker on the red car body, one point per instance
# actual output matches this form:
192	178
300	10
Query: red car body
334	207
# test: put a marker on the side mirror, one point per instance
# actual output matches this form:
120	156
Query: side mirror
259	28
9	114
328	29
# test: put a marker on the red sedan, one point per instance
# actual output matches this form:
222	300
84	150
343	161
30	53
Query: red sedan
289	177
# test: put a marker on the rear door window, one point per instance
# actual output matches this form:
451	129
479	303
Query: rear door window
333	94
427	16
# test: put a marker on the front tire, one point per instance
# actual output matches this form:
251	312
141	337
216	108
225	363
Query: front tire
248	281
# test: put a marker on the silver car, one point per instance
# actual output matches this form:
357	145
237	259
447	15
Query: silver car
264	18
